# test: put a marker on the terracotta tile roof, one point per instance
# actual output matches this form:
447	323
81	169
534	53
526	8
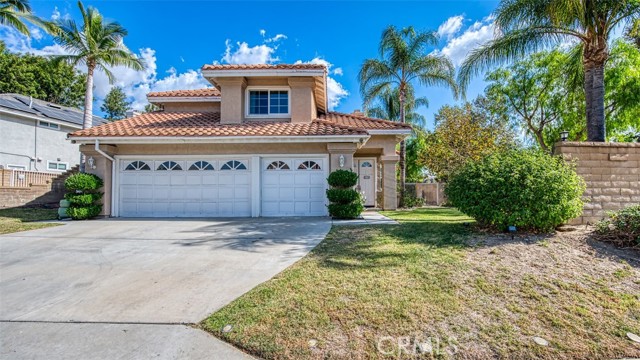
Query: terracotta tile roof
206	92
185	124
264	67
362	122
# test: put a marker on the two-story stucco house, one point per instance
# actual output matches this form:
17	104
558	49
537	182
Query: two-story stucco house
33	134
260	143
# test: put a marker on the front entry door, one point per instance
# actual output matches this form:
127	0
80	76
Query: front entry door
367	180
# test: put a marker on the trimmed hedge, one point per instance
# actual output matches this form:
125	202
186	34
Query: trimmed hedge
622	228
84	212
342	196
83	182
346	202
529	189
82	199
83	195
346	211
342	179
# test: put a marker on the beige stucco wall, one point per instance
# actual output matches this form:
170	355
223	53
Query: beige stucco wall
233	89
192	107
334	150
611	172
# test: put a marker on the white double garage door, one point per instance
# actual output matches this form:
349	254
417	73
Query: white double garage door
220	187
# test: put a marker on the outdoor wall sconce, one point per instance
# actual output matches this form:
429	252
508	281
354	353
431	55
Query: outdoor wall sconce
91	163
341	161
564	135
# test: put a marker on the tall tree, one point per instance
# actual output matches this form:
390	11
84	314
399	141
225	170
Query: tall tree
405	59
41	78
98	45
387	106
115	105
14	12
525	26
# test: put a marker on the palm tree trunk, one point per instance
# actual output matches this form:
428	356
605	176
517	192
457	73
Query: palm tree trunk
88	108
598	130
588	95
403	152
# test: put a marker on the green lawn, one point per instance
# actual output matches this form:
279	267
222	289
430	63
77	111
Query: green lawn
21	219
365	290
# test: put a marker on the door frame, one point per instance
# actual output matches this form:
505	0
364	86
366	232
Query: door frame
375	175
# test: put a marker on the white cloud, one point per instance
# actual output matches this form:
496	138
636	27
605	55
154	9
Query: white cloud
245	54
335	91
55	15
263	32
477	34
278	37
451	27
36	33
135	84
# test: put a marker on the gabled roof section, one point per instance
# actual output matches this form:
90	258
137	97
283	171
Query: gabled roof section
207	124
363	122
45	110
213	72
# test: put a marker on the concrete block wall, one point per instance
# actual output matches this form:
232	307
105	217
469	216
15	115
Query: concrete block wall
611	172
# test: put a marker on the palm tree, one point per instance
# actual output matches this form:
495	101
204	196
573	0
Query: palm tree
12	13
387	106
405	60
97	45
525	26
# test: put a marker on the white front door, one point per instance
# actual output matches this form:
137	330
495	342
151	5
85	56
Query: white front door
197	187
367	180
294	186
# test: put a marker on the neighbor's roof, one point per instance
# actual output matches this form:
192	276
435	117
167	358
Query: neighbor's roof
206	92
203	124
44	109
264	67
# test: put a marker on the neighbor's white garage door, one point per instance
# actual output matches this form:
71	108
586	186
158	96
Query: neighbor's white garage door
184	188
294	187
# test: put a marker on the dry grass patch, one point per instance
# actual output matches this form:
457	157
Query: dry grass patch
432	281
22	219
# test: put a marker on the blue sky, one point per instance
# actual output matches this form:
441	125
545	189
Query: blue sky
177	37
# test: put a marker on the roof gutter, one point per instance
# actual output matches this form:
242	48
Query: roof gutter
99	151
262	72
179	99
220	140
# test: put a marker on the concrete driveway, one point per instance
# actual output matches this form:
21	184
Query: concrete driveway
75	291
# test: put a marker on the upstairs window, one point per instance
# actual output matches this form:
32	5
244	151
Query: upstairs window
268	102
49	125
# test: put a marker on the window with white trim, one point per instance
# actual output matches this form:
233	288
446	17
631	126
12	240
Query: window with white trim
268	102
137	165
309	165
57	166
169	165
233	165
201	165
49	125
278	165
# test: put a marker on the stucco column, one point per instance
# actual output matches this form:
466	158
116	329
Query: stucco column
232	99
303	107
103	169
341	149
389	182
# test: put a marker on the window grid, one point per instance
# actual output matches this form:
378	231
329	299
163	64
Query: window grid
233	165
268	102
137	165
201	165
169	165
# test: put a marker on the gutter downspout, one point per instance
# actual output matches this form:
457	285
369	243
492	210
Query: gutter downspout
113	171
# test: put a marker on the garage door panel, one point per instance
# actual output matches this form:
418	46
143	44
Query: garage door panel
161	179
161	192
210	179
177	193
193	179
317	179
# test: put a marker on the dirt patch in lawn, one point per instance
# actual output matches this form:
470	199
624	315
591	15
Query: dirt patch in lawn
431	287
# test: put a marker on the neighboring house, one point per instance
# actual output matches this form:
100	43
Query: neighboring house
261	143
33	134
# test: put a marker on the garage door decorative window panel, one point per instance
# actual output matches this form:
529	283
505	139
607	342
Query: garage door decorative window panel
191	188
278	165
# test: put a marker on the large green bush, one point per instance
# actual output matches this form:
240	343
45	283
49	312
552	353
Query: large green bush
622	227
346	202
529	189
83	182
82	193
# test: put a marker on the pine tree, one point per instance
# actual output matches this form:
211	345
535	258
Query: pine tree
115	104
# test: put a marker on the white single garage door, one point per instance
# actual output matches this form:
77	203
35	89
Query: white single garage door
294	187
184	188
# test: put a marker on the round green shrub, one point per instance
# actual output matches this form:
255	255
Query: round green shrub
84	212
346	211
83	199
342	196
529	189
83	182
343	179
